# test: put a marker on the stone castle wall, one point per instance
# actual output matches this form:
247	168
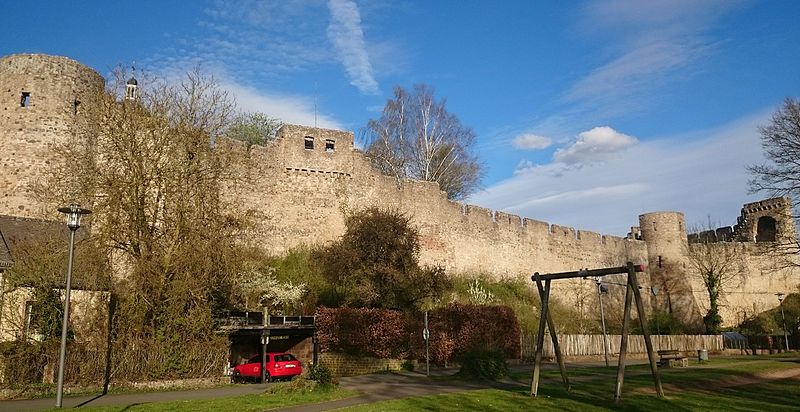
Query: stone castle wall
309	179
56	88
303	195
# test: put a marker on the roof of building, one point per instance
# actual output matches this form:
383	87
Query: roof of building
5	254
17	231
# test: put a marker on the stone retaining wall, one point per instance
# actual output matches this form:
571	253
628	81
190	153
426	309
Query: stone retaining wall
341	364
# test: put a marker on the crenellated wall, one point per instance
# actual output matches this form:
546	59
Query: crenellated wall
300	194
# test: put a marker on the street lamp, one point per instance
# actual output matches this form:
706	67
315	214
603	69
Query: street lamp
74	213
600	290
781	296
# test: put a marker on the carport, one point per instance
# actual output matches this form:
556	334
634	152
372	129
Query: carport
250	334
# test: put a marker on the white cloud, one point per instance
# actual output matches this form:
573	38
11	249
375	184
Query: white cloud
290	109
702	174
530	141
643	48
594	145
655	13
524	166
347	36
620	82
255	40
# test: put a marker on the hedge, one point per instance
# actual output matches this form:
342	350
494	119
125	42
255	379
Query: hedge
454	331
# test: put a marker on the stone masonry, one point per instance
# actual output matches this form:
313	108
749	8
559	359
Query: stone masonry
310	178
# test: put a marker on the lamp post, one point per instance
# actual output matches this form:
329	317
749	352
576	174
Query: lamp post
600	290
74	213
654	291
781	296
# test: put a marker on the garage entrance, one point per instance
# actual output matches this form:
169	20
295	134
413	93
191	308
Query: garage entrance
251	334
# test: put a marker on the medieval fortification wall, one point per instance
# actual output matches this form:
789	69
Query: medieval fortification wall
309	178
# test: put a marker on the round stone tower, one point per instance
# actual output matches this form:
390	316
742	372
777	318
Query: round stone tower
664	233
41	98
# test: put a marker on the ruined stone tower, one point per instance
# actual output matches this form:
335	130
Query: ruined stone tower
768	220
665	235
41	98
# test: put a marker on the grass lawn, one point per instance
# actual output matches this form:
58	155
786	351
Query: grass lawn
730	384
242	403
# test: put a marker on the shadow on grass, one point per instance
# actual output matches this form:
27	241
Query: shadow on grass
732	385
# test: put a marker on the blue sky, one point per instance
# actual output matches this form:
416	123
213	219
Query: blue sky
587	115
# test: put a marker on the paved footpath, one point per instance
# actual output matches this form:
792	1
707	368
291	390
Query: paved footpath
130	399
374	388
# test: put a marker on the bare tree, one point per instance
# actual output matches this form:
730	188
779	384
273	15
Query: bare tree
417	138
780	174
719	266
155	176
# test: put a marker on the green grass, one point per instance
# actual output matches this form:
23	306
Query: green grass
243	403
730	384
722	384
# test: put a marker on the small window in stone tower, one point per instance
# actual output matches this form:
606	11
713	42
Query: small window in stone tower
25	100
330	145
309	142
75	104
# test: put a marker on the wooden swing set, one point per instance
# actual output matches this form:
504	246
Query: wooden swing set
545	319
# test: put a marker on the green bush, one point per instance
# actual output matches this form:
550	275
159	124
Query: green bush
408	365
298	384
321	374
375	264
23	362
484	365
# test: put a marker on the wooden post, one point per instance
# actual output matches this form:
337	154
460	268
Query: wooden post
623	344
554	338
634	286
537	363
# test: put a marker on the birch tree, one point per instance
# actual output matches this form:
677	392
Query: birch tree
417	138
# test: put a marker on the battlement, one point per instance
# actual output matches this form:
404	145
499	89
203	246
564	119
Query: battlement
767	220
773	204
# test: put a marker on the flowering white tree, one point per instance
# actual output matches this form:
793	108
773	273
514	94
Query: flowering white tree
268	291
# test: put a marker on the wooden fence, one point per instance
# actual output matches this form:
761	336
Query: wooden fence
590	345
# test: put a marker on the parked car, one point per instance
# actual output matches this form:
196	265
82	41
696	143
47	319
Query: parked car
279	365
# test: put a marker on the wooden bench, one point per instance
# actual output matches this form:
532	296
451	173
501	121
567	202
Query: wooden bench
672	359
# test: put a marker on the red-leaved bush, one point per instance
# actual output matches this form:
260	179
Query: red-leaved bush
455	330
379	333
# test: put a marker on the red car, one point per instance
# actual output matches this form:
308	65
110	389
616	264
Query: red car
279	365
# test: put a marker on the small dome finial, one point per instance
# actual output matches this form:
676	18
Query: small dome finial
131	86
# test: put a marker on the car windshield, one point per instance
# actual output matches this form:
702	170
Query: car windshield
284	358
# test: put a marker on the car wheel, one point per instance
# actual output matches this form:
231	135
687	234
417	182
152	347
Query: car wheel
236	377
267	377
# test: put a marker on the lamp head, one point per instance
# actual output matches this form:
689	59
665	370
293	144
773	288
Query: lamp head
780	296
74	213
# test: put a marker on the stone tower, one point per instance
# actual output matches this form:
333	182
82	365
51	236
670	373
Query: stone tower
768	220
41	98
666	239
